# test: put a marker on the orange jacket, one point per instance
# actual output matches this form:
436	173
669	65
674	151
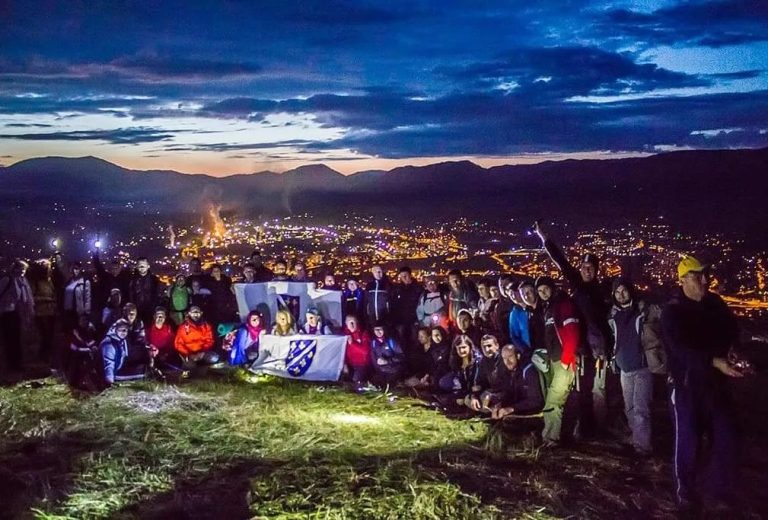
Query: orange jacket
193	337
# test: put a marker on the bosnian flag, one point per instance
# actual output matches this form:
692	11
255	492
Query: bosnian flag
312	358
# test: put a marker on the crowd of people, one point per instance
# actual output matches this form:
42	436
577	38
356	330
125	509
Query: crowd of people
567	351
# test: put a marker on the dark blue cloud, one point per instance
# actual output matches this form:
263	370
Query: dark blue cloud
121	136
713	23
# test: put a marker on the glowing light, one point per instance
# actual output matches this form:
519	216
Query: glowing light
350	418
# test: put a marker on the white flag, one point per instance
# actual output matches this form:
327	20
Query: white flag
295	296
312	358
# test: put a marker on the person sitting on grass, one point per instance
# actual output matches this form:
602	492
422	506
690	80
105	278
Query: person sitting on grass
523	393
491	377
462	363
432	363
137	334
357	358
314	326
388	357
119	365
160	337
194	339
243	343
284	323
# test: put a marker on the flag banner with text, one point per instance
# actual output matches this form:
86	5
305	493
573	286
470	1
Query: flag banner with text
268	297
312	358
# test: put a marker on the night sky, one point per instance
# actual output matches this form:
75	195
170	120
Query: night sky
241	86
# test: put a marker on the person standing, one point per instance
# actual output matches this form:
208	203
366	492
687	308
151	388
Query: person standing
699	330
561	337
592	303
17	308
635	326
377	296
144	290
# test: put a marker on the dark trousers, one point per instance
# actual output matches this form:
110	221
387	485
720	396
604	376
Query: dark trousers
46	332
10	331
695	414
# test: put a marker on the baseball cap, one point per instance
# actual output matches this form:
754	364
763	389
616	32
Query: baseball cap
313	310
689	264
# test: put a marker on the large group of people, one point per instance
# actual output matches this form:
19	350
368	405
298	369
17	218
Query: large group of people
506	347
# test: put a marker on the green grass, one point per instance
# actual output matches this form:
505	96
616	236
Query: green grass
282	449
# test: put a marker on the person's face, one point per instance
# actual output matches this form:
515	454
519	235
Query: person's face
194	266
545	292
423	337
377	272
378	332
115	268
509	290
216	272
622	296
454	281
484	291
490	347
280	268
463	349
282	319
249	273
431	285
131	315
495	292
352	285
254	320
528	295
588	271
142	267
437	336
329	280
463	322
351	324
509	356
299	268
257	260
159	319
122	332
196	285
181	281
312	320
694	284
405	277
76	270
195	314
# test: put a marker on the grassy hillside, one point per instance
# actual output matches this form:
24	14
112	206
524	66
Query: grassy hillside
284	449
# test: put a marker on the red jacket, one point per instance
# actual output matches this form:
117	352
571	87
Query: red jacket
566	321
358	352
193	337
161	338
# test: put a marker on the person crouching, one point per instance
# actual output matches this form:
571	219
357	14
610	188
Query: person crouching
115	352
194	339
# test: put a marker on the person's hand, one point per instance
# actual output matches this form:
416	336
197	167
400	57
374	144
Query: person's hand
382	361
500	413
475	404
424	380
723	366
153	351
539	231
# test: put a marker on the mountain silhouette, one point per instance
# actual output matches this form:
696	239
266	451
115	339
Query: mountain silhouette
706	185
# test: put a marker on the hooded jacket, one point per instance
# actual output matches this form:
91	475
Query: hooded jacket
562	329
192	337
358	353
114	351
388	357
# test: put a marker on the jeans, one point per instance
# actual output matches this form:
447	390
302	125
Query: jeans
637	387
557	395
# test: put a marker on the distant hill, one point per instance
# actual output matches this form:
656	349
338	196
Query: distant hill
707	186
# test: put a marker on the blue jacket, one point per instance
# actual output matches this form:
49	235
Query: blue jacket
242	342
113	351
519	333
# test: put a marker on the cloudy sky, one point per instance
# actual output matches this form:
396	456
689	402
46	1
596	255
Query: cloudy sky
239	86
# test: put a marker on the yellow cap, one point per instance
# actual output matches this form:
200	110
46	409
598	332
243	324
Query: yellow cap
689	265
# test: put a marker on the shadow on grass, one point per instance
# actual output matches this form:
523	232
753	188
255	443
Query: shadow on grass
39	471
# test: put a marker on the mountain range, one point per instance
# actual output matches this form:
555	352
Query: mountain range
700	186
